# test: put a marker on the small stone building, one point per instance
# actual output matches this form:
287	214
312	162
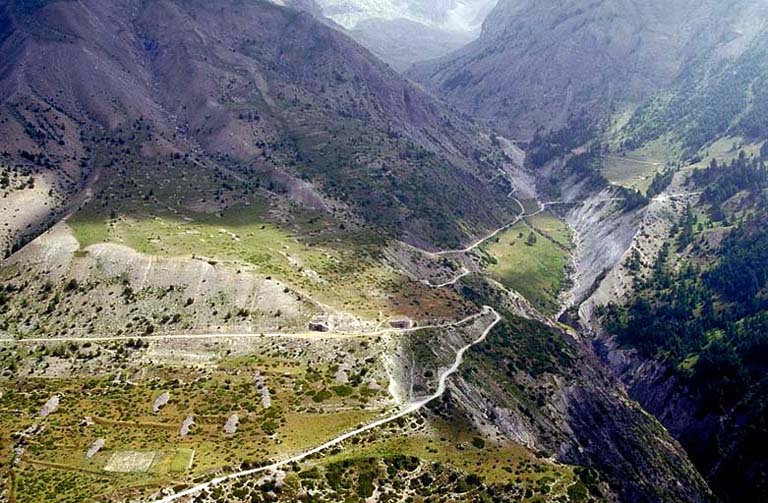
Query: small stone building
320	325
402	323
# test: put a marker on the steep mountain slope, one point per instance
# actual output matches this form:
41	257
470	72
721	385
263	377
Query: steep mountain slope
537	65
689	341
343	131
719	95
236	177
556	398
673	92
405	32
684	323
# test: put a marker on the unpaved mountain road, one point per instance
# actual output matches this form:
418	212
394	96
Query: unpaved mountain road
274	335
410	409
464	271
414	406
512	223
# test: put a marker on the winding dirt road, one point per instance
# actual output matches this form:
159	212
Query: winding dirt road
464	271
410	409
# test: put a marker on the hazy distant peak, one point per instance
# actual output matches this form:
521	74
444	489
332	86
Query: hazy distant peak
452	15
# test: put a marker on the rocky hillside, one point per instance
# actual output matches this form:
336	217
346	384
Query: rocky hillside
672	92
294	104
243	170
718	96
540	385
689	339
535	66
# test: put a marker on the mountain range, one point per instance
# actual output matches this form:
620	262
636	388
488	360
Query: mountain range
537	67
350	250
403	32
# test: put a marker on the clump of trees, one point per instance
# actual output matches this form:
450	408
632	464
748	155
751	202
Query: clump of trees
723	181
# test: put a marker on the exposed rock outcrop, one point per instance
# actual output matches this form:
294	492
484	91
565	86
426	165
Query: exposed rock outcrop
542	387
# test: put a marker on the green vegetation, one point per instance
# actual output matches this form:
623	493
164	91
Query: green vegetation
437	464
388	174
521	345
114	386
713	99
630	172
552	227
547	147
167	211
532	259
660	183
432	465
704	311
182	460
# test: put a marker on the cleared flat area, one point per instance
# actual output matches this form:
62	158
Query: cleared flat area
534	267
631	172
130	461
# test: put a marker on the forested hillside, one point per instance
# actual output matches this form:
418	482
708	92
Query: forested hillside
703	311
715	97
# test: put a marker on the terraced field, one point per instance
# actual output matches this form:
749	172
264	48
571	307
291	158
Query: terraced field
312	398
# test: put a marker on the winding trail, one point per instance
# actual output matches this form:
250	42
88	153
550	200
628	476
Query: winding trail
411	408
521	216
464	271
451	282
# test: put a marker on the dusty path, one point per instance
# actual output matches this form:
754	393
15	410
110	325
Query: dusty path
409	409
451	282
542	208
274	335
498	231
464	271
413	407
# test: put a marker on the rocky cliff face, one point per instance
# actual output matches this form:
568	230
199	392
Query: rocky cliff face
717	443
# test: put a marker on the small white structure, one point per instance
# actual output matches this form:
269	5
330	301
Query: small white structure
320	325
402	323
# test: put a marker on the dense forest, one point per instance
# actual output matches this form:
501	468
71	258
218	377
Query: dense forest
704	307
691	309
